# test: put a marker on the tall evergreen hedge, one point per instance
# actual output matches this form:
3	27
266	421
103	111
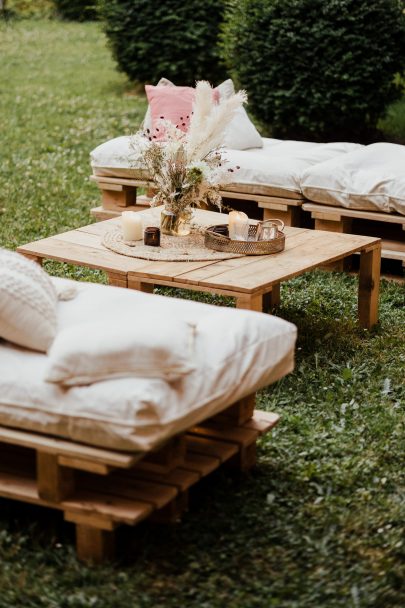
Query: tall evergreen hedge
176	39
77	10
317	69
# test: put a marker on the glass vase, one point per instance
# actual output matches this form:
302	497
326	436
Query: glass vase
175	224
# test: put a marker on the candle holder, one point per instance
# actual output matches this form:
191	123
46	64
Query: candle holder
151	236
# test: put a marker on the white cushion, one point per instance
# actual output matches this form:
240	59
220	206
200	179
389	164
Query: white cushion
147	346
236	353
371	179
278	165
28	302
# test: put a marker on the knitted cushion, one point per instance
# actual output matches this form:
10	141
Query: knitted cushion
28	302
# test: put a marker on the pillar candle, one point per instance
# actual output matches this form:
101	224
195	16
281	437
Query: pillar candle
238	226
132	229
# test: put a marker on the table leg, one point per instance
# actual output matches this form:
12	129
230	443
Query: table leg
141	286
250	301
369	287
117	280
272	298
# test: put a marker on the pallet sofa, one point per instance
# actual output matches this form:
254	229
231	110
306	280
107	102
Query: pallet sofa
343	187
120	450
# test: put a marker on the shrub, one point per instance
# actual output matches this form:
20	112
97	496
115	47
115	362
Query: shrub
171	38
317	69
27	8
76	10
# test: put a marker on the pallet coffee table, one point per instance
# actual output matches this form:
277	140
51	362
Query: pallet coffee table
254	281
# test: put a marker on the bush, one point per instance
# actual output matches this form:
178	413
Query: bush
171	38
27	8
76	10
317	69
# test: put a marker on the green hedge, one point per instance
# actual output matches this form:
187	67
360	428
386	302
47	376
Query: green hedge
317	69
77	10
176	39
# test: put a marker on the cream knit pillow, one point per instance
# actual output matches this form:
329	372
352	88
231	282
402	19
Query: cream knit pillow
28	302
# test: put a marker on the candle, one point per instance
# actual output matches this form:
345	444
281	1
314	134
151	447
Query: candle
131	226
238	226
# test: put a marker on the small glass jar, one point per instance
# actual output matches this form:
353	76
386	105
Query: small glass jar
151	236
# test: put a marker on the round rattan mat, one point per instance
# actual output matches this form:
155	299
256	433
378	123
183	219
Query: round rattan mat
172	248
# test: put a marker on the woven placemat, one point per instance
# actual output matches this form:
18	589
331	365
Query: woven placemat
172	248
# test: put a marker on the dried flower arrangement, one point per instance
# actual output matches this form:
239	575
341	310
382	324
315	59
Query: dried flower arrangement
187	168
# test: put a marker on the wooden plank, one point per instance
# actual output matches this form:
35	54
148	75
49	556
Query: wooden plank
117	508
280	200
200	463
125	181
90	466
242	436
262	422
378	216
54	482
53	445
182	479
158	495
210	447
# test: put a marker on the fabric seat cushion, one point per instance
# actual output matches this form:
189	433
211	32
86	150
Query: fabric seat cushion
274	170
236	353
371	178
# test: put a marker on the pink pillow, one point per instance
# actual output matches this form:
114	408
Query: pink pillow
171	103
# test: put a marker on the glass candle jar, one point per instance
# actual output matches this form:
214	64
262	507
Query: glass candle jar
151	236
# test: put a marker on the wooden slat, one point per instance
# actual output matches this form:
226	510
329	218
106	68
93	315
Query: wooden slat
200	463
125	181
210	447
90	466
117	508
326	210
181	479
262	422
158	495
241	436
52	445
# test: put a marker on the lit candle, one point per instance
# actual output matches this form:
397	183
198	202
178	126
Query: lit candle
132	228
238	226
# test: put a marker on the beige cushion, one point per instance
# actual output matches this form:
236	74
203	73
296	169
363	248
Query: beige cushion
371	179
236	353
28	302
148	346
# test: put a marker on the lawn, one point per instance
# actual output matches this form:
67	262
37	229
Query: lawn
319	523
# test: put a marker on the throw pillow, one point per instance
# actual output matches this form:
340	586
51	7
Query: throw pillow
241	133
28	303
147	346
170	103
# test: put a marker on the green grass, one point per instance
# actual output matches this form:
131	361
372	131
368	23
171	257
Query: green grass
320	521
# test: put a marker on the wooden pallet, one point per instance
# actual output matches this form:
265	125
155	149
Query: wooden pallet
99	490
390	227
119	193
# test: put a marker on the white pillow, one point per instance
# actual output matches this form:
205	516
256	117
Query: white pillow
146	346
241	134
28	302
